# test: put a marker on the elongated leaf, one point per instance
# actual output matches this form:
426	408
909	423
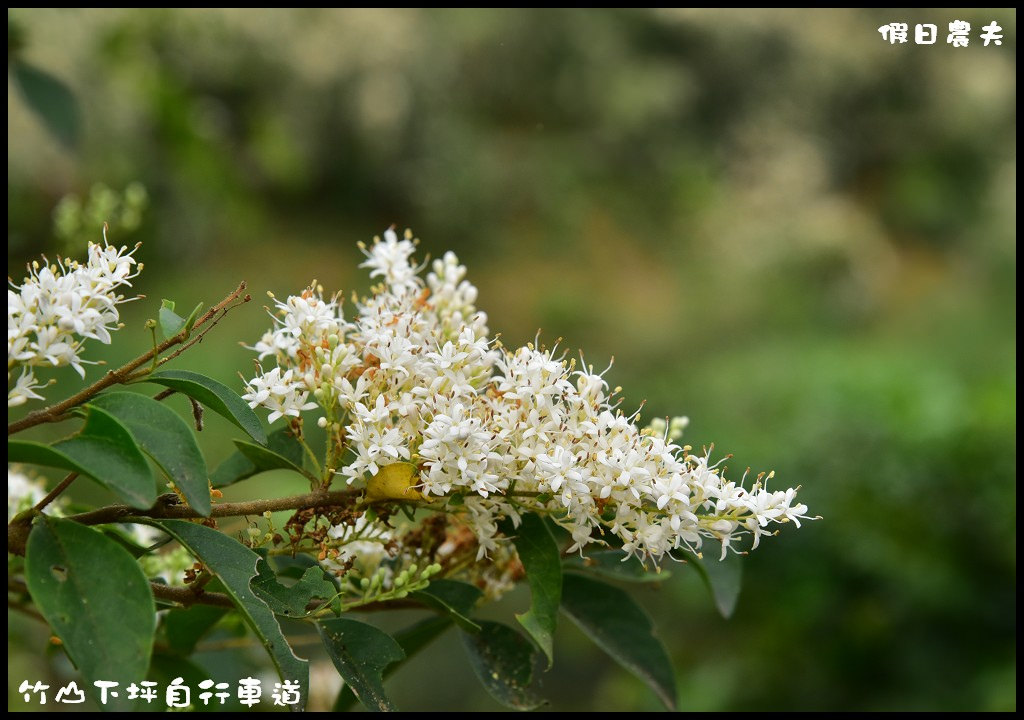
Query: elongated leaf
166	438
235	566
215	395
411	639
95	597
190	321
171	322
104	450
723	578
621	628
539	555
291	601
453	597
265	459
51	100
234	468
184	627
609	564
503	661
238	467
418	635
361	653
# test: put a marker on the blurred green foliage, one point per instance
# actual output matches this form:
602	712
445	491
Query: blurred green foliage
77	221
801	236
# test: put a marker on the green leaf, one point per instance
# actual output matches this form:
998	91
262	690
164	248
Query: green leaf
266	459
455	598
104	450
361	653
170	322
412	639
723	579
539	555
291	601
185	627
51	100
418	635
235	565
190	321
503	661
609	564
620	627
215	395
235	468
95	597
238	467
166	438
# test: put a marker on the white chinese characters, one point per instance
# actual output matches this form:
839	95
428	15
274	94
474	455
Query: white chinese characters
959	36
993	33
177	694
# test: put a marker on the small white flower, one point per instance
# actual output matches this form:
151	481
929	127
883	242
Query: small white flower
24	389
280	393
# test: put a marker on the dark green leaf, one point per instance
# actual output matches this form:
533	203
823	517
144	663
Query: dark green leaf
539	555
503	661
50	99
412	639
455	598
171	322
723	578
235	566
266	459
609	564
361	653
291	601
166	438
621	628
238	467
95	597
418	635
186	626
104	450
294	568
215	395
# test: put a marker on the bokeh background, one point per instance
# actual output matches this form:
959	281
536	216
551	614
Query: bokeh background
800	236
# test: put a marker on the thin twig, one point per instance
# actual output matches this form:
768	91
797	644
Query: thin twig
167	507
187	596
52	495
196	596
198	337
128	371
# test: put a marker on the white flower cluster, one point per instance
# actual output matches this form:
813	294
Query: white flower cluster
363	545
57	308
414	378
